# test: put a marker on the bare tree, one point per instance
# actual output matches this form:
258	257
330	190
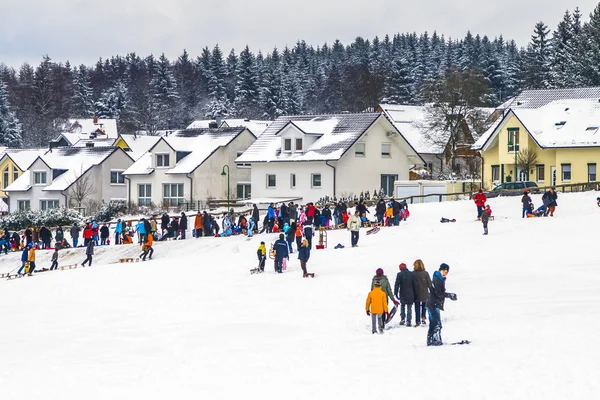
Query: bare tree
526	160
451	110
82	187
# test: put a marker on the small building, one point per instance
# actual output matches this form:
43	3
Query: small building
102	131
13	162
335	155
187	165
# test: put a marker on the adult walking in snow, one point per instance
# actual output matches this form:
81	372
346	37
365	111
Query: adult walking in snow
480	200
435	304
404	289
104	234
46	237
423	282
281	251
183	225
89	252
354	228
270	217
290	236
255	216
292	211
526	202
385	285
303	256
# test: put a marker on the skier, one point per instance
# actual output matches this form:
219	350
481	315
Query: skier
262	256
385	285
485	217
354	227
404	289
435	303
479	200
89	252
281	251
376	307
303	256
526	201
54	260
423	282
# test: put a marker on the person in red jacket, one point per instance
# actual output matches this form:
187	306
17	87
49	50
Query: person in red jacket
87	234
480	200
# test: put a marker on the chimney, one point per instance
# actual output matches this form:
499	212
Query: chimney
89	144
95	119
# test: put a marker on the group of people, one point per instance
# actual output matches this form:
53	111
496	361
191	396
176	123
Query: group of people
410	288
549	204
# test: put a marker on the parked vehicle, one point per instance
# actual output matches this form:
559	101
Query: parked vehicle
513	189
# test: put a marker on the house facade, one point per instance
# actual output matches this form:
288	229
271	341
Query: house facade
71	177
186	166
13	163
339	155
560	127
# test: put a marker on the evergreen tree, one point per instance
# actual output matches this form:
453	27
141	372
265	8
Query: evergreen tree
399	88
83	103
187	82
10	129
537	59
590	49
164	89
246	88
563	54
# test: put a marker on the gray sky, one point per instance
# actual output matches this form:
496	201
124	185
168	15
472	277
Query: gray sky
83	30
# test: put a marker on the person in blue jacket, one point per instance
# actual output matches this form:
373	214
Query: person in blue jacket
281	251
24	256
435	303
270	218
118	232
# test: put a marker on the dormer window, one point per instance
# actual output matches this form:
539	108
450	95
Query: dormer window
299	145
162	160
287	145
39	178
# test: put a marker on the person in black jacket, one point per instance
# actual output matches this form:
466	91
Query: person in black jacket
206	225
183	225
104	233
404	289
255	217
281	251
164	222
89	252
380	210
435	303
396	212
327	214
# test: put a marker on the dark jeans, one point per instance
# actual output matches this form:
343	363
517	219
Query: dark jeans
298	242
396	219
278	264
524	212
75	242
303	266
379	218
183	234
103	241
354	238
89	258
485	230
46	244
148	253
290	246
54	265
270	225
419	310
117	238
403	314
22	267
434	335
31	267
479	211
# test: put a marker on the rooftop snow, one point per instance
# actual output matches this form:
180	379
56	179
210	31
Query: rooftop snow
339	132
254	126
411	121
85	127
139	144
537	98
142	166
24	157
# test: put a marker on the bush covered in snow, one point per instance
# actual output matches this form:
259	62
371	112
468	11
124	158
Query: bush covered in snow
19	220
110	210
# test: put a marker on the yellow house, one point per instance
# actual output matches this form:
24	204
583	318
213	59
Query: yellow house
563	134
13	163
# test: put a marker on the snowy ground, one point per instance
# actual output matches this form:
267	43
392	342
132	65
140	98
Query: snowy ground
193	323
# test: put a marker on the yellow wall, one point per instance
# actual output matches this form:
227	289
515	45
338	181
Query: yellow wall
121	143
4	163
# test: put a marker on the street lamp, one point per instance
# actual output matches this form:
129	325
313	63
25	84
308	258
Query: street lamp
223	173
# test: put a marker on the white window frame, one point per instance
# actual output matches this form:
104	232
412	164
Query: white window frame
312	181
174	201
357	153
45	203
540	177
275	181
283	149
247	193
495	168
117	183
386	154
513	134
296	149
293	181
146	200
242	165
23	205
41	173
563	171
162	156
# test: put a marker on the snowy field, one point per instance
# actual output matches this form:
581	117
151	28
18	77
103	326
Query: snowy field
194	324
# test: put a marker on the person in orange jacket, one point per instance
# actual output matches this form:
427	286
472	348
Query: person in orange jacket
198	225
377	307
147	248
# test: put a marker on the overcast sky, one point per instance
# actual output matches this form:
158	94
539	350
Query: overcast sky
82	30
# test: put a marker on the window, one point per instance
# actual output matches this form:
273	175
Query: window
293	181
117	178
566	172
513	140
386	150
540	172
287	144
23	205
242	165
495	173
592	172
173	194
298	145
243	191
39	178
145	194
180	155
15	174
5	176
48	204
271	181
315	180
162	160
359	149
387	183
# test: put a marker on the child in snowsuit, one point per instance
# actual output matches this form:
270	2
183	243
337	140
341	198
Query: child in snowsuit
54	260
147	248
262	255
376	307
485	217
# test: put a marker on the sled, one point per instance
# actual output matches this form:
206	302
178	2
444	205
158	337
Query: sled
373	230
445	220
392	313
128	260
462	342
15	276
255	271
309	275
5	275
63	267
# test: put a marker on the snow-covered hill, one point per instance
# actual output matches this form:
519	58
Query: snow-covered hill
193	323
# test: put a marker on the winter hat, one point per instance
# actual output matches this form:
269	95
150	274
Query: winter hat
262	242
379	271
377	282
480	191
402	266
444	266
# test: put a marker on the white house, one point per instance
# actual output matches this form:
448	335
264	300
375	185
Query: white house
96	129
186	166
311	157
63	175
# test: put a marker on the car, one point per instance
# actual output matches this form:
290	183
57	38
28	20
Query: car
513	189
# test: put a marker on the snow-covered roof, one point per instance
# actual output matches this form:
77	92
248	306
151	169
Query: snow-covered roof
139	144
411	122
77	129
338	132
23	158
199	143
104	142
559	123
255	126
536	98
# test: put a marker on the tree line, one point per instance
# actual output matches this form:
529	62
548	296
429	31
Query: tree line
148	93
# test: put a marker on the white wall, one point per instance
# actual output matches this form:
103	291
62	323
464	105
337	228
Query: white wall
100	177
36	193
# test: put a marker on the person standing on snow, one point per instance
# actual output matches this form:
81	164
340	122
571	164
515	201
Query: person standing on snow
526	201
376	307
270	218
385	285
423	282
262	256
480	200
485	217
75	229
281	251
308	232
147	248
380	210
549	199
89	252
256	217
354	227
183	225
290	236
118	232
104	234
435	303
404	289
303	256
